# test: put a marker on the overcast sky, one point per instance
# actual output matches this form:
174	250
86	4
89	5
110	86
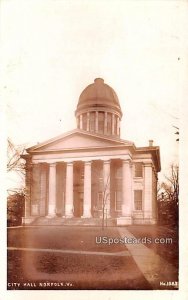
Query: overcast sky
53	49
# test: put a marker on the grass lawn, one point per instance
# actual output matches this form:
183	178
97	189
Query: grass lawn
82	271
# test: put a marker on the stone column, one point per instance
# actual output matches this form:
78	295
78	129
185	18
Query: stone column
52	191
69	191
81	122
43	190
35	190
87	190
113	123
106	181
117	125
87	128
154	193
105	122
28	183
96	121
148	191
126	192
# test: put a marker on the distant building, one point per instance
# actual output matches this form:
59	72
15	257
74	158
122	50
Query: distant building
79	173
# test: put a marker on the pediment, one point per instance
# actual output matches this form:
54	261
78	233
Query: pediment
76	140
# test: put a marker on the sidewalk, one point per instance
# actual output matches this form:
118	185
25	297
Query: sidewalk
157	271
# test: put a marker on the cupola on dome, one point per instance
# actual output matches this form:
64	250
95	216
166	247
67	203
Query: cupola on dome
98	109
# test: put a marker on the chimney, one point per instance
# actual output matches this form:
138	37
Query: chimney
150	143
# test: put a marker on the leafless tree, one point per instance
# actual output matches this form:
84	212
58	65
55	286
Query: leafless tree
15	200
14	161
171	186
105	199
168	196
104	191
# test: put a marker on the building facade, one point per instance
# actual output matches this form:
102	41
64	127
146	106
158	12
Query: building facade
90	172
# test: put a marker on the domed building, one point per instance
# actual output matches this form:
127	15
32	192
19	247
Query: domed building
90	175
98	109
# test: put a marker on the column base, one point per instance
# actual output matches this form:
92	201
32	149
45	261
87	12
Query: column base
86	217
51	216
68	216
125	220
108	217
28	220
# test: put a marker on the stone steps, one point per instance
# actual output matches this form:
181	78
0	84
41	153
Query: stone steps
44	221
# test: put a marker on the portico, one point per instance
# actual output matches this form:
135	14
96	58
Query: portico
80	188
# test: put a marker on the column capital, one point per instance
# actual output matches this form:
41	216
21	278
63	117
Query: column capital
148	164
107	161
43	163
29	164
28	159
69	163
88	162
52	165
127	161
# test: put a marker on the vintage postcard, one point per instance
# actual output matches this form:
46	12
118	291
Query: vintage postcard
94	91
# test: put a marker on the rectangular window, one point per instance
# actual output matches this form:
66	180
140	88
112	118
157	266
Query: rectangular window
138	170
118	200
138	199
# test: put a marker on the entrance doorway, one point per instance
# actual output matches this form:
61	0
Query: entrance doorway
78	205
